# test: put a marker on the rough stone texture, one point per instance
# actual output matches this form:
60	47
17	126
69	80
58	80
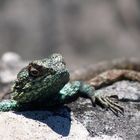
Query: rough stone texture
87	122
82	122
100	122
41	125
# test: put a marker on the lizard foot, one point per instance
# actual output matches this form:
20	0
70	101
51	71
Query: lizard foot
106	102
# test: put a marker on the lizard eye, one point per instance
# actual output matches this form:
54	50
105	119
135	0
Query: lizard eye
34	72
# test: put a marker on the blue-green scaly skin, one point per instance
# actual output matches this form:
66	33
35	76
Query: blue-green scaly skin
45	84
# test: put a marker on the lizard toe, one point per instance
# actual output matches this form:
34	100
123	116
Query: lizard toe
106	102
114	106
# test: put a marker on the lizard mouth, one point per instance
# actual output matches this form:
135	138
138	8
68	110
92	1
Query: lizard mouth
19	84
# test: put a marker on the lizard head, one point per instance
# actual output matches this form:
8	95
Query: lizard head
40	79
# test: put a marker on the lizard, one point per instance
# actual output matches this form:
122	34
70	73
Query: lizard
46	83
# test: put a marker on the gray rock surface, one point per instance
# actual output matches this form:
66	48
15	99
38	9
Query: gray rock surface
41	125
79	120
11	63
100	122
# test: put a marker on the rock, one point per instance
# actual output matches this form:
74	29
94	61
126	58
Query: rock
102	123
10	58
11	63
41	125
83	121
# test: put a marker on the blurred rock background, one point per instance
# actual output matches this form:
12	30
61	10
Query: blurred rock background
83	31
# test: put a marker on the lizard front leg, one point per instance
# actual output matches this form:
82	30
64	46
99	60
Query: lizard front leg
9	105
75	89
88	91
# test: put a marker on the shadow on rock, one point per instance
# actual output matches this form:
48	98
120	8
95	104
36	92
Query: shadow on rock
59	120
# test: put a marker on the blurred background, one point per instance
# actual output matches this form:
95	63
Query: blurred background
84	31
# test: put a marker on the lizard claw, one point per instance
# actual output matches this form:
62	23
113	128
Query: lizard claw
106	102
